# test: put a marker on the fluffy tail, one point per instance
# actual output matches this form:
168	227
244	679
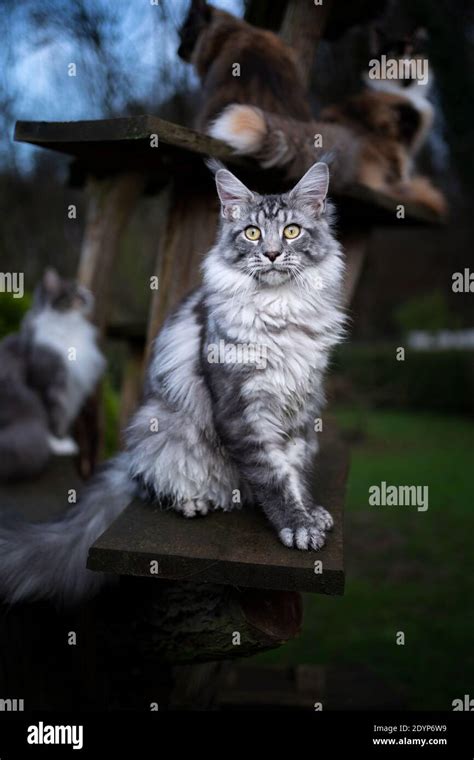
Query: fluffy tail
278	141
48	560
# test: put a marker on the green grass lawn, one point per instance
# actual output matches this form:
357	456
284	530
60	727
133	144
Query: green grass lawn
406	570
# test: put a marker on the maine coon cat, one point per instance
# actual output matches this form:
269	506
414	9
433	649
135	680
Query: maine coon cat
206	429
42	386
264	112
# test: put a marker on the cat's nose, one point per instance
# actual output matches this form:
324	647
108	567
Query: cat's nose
272	255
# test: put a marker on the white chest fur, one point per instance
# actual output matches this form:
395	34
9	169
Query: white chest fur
293	327
71	336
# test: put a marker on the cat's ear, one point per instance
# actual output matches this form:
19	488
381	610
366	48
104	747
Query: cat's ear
312	188
233	194
51	281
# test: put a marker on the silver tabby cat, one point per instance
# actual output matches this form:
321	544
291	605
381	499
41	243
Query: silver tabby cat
233	389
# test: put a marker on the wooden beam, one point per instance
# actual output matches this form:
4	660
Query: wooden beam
108	147
127	136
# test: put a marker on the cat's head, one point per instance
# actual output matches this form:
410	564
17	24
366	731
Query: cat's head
198	18
62	295
398	40
274	238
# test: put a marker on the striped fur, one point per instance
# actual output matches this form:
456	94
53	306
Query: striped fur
218	434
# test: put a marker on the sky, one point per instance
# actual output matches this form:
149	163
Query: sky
36	58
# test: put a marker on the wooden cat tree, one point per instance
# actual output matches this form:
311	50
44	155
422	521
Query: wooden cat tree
227	573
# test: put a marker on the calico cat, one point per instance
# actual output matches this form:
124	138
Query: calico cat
264	112
214	423
42	388
410	48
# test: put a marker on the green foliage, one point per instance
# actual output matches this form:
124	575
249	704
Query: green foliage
406	570
431	380
12	311
428	312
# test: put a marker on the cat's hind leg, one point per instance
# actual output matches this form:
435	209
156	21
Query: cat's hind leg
177	463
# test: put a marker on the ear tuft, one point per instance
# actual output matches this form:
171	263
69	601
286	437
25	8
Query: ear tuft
312	188
214	165
232	192
51	280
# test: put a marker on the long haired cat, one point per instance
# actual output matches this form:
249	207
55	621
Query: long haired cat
214	41
42	384
264	112
406	47
232	391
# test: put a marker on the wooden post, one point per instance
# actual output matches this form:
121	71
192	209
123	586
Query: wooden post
192	622
190	231
131	385
302	28
111	202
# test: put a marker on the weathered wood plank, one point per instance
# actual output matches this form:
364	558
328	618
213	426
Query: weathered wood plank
118	145
238	548
74	137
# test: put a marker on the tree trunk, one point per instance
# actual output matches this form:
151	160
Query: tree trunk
302	28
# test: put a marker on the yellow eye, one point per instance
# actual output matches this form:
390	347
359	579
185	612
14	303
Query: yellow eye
252	233
291	231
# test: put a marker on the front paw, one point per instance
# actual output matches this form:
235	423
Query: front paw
308	529
322	518
193	507
304	538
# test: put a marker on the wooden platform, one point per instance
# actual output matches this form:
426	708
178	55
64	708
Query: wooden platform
238	548
107	146
45	497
